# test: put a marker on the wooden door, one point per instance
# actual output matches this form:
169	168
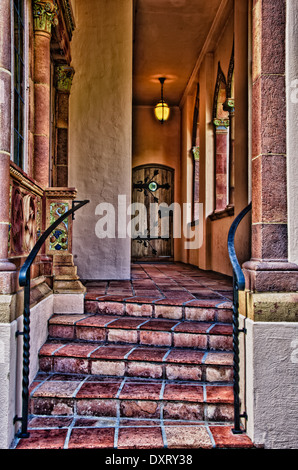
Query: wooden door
153	184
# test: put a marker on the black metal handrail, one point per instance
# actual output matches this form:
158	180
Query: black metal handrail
238	285
24	280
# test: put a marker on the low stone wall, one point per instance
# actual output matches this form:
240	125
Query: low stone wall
11	360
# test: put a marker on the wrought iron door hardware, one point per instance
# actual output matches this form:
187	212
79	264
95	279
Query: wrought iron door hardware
151	186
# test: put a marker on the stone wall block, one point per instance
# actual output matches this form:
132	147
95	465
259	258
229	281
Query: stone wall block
268	37
269	197
269	241
269	116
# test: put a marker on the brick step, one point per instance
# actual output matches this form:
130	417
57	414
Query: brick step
136	361
198	310
83	395
142	331
122	433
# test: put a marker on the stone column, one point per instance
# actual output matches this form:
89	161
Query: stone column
221	163
270	303
44	14
7	269
269	258
64	76
5	137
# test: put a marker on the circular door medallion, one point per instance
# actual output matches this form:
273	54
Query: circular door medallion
152	186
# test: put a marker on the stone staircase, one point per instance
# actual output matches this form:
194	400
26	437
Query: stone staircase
134	375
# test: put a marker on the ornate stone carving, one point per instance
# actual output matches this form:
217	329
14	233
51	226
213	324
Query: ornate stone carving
62	193
68	16
25	209
17	219
45	15
64	76
23	226
230	80
29	204
229	105
27	183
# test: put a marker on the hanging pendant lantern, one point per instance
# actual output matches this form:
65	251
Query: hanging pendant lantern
162	110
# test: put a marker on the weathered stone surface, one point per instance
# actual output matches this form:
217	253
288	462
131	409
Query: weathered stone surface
189	437
273	307
270	199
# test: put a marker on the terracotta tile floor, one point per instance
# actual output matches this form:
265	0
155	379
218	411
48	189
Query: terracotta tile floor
166	284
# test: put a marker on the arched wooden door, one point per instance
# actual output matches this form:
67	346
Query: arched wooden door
153	188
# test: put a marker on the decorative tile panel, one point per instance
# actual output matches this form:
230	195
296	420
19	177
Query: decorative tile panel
58	202
59	237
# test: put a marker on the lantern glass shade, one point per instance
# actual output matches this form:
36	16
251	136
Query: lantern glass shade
162	111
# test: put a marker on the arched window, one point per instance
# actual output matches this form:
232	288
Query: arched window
221	121
196	155
229	106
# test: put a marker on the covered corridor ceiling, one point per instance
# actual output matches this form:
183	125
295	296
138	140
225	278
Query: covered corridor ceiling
168	38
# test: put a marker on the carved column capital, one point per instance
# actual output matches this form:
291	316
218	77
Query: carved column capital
229	105
64	76
221	124
196	153
44	14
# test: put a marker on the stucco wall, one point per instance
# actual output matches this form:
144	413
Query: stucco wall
154	142
271	383
100	130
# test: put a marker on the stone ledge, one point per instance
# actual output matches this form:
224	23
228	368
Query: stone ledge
269	306
7	308
271	276
12	305
220	214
